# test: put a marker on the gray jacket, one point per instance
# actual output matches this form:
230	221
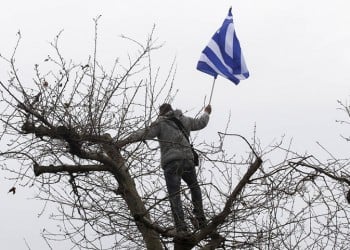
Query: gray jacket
173	144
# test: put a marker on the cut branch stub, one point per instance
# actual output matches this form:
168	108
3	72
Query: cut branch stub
38	170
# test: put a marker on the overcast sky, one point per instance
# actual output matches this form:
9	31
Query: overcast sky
297	52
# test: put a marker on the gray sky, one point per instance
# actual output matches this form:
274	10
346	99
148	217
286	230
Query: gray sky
297	52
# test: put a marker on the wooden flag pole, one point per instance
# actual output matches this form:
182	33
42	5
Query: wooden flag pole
212	90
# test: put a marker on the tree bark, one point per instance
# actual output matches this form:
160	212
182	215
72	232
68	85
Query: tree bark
39	169
114	163
129	193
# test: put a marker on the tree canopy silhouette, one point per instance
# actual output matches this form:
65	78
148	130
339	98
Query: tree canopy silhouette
61	131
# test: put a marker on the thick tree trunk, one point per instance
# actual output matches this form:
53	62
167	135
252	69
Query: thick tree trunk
115	164
182	245
127	190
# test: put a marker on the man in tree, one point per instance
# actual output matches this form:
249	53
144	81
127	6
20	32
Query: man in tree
172	129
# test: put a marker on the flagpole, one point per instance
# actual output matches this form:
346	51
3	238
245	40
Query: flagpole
212	90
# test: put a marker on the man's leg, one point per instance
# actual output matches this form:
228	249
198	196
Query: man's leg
172	172
190	177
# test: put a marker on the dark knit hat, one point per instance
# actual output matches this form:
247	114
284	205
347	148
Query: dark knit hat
165	108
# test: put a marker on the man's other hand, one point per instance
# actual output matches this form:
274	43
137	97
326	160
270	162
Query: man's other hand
208	109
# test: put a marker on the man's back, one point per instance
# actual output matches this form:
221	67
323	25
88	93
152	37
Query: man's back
173	143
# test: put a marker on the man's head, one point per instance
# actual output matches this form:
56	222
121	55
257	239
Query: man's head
165	108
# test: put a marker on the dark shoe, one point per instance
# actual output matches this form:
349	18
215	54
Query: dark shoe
217	237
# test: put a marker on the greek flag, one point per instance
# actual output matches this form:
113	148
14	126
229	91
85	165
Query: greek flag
223	55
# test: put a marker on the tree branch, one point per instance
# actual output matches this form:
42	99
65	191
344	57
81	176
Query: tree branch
220	218
39	169
318	169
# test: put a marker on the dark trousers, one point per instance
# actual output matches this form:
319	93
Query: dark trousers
174	172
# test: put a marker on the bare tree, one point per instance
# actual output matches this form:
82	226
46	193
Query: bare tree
62	128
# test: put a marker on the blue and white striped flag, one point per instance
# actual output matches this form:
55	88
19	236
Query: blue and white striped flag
223	55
